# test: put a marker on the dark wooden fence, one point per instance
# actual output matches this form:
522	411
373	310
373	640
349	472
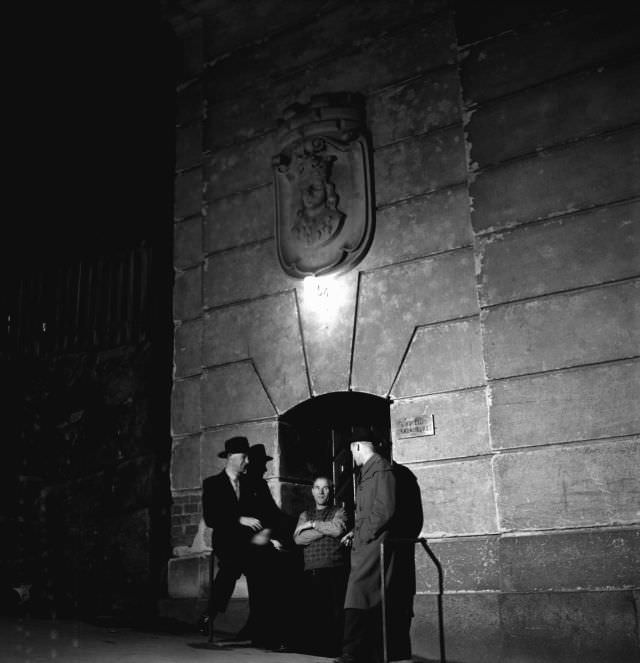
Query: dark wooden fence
96	303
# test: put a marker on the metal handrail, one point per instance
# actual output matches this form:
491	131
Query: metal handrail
434	559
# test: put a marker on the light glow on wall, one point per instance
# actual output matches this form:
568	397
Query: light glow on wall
324	295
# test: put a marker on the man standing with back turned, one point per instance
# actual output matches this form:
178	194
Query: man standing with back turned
374	510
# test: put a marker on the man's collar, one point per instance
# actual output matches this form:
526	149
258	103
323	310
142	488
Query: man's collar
230	477
366	468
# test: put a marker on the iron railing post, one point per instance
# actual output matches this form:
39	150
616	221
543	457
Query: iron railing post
385	657
438	566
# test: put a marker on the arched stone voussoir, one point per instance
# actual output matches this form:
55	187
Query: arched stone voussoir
395	300
233	393
327	312
442	357
265	331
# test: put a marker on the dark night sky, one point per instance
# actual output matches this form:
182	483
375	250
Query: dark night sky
92	112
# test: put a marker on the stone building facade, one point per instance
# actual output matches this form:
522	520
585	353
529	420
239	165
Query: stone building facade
499	294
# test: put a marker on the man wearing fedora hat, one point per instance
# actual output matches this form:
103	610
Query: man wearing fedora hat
374	515
266	625
242	518
258	459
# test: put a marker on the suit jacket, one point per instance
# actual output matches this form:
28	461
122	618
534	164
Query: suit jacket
221	510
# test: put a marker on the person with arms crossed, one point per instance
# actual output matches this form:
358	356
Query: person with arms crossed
319	531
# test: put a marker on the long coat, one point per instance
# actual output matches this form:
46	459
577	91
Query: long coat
375	507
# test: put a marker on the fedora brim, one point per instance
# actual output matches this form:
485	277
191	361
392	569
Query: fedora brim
224	454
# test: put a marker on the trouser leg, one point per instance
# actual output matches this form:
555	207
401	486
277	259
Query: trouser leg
398	630
337	586
220	590
225	581
314	600
255	591
282	576
375	640
355	631
264	600
362	640
398	637
322	636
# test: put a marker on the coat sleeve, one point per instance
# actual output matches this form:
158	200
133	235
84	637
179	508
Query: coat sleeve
383	505
307	536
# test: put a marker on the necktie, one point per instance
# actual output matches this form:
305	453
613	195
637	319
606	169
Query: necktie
236	487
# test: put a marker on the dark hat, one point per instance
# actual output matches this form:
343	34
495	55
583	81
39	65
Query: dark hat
360	433
257	453
235	445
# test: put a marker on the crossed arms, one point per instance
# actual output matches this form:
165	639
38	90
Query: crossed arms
308	531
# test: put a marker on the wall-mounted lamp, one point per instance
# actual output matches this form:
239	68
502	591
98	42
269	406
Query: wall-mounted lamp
324	295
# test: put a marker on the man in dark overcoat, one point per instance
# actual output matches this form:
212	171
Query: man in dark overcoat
269	620
242	520
374	512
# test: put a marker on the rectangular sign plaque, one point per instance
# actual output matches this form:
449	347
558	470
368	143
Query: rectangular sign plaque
416	426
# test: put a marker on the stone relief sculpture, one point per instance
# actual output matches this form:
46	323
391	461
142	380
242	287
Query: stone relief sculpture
318	218
323	186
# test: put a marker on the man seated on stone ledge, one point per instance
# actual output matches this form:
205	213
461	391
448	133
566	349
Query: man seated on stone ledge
319	530
243	519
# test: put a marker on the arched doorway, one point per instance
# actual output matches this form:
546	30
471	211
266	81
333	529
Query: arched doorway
314	438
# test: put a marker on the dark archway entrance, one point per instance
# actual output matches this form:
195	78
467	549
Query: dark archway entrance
314	438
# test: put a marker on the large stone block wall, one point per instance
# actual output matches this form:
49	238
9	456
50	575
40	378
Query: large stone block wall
500	294
550	114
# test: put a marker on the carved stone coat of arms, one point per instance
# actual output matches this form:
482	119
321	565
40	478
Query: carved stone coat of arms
322	179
